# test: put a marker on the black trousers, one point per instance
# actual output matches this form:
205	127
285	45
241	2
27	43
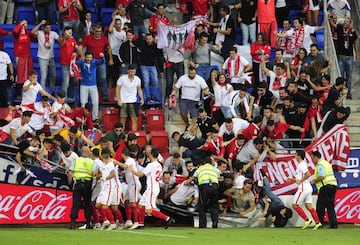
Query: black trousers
82	189
326	200
208	198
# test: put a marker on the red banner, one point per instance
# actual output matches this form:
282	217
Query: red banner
347	205
334	146
21	204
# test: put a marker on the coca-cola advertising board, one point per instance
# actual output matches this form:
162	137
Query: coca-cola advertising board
347	205
21	204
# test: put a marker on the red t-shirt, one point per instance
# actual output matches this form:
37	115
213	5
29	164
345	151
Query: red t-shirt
232	150
266	11
66	51
72	13
200	7
154	20
123	2
254	47
96	46
250	131
22	41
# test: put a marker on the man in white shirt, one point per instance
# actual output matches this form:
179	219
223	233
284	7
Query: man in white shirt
120	13
5	64
30	90
231	128
303	194
11	132
41	115
127	88
191	85
46	39
116	37
233	100
67	155
237	67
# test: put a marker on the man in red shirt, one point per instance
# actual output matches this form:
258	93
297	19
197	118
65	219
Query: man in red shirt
82	116
201	11
68	45
252	131
159	16
24	62
233	149
69	11
267	20
214	145
97	43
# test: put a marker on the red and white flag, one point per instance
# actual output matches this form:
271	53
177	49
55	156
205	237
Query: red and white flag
176	36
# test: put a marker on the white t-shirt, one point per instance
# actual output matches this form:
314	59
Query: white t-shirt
235	77
4	61
128	90
300	172
123	20
105	172
191	88
275	89
153	174
220	93
131	179
19	129
116	38
307	38
46	52
42	117
69	160
29	97
184	193
238	124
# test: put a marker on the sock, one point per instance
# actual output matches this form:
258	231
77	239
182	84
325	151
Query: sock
95	214
103	214
301	213
135	212
128	212
119	217
159	215
142	215
109	215
314	215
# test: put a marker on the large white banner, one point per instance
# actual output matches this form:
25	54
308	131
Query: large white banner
176	36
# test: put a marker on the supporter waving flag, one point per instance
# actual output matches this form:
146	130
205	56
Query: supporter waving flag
176	36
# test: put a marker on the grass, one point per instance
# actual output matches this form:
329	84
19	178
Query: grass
180	236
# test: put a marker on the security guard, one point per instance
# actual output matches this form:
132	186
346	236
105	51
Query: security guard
326	184
80	173
208	180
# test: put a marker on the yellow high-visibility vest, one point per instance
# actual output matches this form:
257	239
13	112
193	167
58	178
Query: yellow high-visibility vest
83	168
329	178
207	174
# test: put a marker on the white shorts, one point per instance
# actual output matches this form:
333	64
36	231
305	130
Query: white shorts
109	196
301	197
148	199
312	7
132	193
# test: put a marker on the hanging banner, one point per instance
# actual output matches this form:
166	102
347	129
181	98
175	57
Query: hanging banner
334	147
176	36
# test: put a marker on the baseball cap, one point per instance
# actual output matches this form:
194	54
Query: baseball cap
132	137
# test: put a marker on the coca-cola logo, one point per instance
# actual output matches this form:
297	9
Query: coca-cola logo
348	207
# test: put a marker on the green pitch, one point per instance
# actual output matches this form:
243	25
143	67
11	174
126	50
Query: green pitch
180	236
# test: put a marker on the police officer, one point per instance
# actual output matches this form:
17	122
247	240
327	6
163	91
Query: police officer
208	180
326	184
80	173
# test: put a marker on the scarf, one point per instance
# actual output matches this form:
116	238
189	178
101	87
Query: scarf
66	120
74	69
276	85
236	68
297	40
220	38
284	42
47	40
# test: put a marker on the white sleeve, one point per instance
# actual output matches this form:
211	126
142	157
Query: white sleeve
309	29
244	61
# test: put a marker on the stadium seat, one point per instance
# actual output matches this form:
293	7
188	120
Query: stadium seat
155	120
320	18
320	38
106	16
7	27
239	40
89	3
94	14
9	48
141	140
140	121
24	1
293	13
59	76
26	12
112	97
160	139
110	116
157	93
33	51
102	3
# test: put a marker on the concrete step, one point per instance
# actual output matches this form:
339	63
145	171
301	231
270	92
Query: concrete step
354	105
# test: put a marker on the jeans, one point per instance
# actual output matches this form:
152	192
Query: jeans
45	66
275	200
85	91
248	30
7	10
102	83
66	81
140	31
47	12
150	78
203	71
346	65
176	68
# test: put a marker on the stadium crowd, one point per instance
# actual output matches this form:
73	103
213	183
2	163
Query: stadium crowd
240	113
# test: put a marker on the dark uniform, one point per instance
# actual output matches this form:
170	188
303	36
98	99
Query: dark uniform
208	181
82	170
